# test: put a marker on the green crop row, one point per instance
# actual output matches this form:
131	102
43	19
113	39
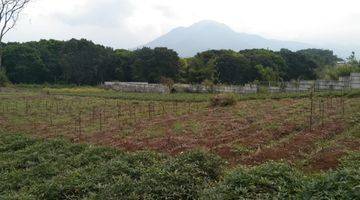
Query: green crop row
56	169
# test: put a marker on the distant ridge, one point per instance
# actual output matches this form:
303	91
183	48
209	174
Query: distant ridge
205	35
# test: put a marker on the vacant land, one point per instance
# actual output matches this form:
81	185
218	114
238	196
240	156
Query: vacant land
309	134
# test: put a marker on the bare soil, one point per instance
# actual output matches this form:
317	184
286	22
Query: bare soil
250	133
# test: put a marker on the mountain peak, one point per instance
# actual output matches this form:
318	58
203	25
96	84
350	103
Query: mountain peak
208	34
210	24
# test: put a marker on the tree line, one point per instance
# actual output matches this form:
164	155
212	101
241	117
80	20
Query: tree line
82	62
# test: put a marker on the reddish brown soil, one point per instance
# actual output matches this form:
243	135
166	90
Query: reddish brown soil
244	131
221	131
353	145
326	159
296	148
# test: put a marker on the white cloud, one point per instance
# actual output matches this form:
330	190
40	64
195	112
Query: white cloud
129	23
103	13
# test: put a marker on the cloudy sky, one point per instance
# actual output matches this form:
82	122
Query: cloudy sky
130	23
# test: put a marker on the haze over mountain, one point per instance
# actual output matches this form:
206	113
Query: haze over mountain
205	35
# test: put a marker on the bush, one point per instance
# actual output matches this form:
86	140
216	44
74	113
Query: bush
269	181
223	100
168	82
3	78
56	169
345	70
209	85
181	177
340	184
205	165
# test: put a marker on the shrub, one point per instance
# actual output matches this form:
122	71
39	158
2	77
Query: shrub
269	181
168	82
351	161
56	169
345	70
209	85
181	177
340	184
209	166
223	100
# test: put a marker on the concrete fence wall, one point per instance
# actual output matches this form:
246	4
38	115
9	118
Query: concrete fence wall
247	89
355	80
352	82
137	87
159	88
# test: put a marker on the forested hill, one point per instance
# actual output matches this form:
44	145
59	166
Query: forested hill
83	62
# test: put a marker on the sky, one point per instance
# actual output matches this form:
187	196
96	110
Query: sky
131	23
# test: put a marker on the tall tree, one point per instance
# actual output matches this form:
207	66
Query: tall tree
266	58
299	66
124	60
198	71
152	64
86	63
24	64
9	14
322	57
352	59
234	68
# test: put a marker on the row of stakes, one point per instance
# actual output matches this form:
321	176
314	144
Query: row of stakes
68	108
101	115
328	104
130	112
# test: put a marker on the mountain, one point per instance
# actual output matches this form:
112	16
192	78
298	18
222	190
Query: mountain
205	35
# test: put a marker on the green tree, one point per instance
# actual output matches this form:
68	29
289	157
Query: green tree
298	66
234	68
203	66
152	64
198	70
351	60
84	62
124	60
321	57
24	65
267	74
267	58
51	55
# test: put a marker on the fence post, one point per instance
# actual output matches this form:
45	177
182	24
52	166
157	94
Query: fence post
118	116
51	119
322	111
311	109
189	105
343	102
80	131
100	120
57	107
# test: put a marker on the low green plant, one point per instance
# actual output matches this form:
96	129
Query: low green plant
269	181
339	184
56	169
